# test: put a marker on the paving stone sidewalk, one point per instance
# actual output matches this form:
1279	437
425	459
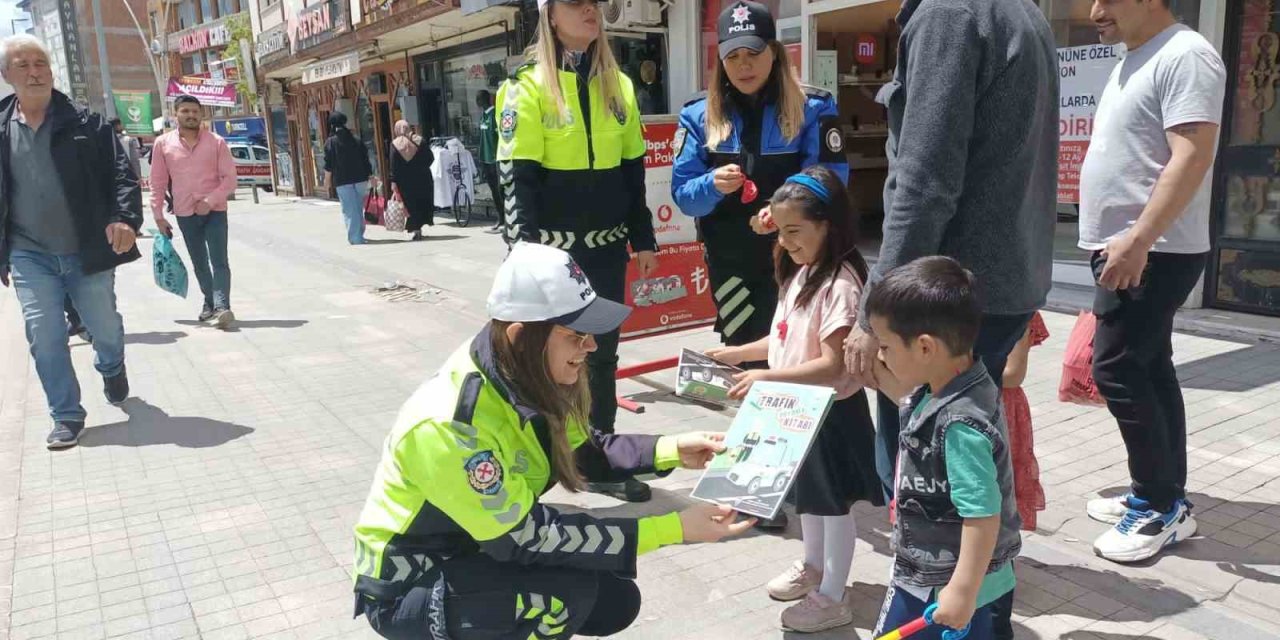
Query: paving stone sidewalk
218	501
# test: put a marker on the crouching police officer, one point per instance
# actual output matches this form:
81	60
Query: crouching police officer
453	541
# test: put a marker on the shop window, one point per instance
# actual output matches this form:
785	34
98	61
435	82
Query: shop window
643	59
365	128
190	65
1245	266
464	77
187	17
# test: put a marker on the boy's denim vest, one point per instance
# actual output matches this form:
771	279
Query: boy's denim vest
926	532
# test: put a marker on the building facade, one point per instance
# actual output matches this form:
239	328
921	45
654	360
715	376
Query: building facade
67	28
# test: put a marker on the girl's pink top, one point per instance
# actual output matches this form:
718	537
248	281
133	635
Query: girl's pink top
833	307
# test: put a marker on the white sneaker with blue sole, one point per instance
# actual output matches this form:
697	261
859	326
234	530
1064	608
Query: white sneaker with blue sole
1142	533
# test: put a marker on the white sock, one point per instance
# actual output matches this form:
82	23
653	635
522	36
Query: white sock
811	531
840	537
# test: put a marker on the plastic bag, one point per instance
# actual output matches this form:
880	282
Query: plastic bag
1077	383
170	272
396	215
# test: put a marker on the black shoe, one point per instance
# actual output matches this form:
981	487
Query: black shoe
630	491
417	235
205	314
116	387
74	329
65	434
776	523
494	229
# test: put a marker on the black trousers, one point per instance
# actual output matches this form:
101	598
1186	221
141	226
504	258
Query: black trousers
606	269
490	173
997	337
479	598
1133	366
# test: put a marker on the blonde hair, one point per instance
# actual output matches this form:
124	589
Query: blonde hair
524	365
542	52
789	91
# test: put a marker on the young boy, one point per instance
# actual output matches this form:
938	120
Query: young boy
956	523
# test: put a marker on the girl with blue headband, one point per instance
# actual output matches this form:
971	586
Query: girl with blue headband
820	275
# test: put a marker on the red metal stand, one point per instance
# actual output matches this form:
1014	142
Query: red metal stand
639	370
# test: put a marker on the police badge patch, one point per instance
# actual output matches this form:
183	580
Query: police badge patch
677	141
507	124
832	149
484	473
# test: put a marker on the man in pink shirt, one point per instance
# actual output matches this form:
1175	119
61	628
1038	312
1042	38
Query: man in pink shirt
196	166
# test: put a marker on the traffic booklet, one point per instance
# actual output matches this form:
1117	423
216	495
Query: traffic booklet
765	445
706	379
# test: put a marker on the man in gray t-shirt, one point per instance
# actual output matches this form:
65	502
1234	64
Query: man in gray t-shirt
1144	213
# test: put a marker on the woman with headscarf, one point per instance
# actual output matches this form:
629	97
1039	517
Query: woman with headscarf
347	168
411	176
571	158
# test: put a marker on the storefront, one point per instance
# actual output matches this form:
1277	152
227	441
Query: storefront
1244	268
848	47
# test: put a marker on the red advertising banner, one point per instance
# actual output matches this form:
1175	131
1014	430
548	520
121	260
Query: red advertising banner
676	296
211	93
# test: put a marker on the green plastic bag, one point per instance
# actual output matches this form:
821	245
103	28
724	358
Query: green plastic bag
171	274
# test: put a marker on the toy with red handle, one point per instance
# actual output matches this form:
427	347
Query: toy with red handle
920	624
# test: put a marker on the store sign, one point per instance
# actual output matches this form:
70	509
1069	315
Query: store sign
271	42
320	24
210	92
332	68
677	295
71	42
203	38
1082	74
865	49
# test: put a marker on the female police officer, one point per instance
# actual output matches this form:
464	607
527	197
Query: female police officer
571	158
453	541
755	123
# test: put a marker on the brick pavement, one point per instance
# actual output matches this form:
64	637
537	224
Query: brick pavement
218	501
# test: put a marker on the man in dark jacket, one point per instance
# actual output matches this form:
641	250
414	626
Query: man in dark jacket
70	208
973	177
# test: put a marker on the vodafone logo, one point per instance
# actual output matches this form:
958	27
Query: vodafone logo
664	213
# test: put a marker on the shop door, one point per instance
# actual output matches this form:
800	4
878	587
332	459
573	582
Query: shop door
431	98
1244	266
382	111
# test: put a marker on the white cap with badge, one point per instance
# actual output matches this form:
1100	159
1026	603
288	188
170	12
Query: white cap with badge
539	283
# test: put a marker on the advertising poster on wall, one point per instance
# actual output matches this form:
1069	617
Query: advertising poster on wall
676	296
1083	73
134	110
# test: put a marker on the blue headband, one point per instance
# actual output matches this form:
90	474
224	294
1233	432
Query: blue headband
812	184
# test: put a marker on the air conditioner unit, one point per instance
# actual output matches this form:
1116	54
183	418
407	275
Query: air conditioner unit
620	14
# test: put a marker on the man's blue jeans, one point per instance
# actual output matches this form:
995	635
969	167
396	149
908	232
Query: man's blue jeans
43	281
206	240
352	198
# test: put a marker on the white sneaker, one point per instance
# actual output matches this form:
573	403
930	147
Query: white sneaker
794	583
1109	510
1141	534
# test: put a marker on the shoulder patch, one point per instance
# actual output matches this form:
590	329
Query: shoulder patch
832	140
677	141
484	473
816	92
507	123
697	97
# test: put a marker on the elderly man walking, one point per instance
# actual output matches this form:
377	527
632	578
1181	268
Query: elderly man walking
69	213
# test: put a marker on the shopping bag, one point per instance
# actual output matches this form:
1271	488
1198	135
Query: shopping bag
1077	385
396	215
374	206
170	273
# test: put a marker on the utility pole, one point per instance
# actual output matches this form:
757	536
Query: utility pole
104	67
